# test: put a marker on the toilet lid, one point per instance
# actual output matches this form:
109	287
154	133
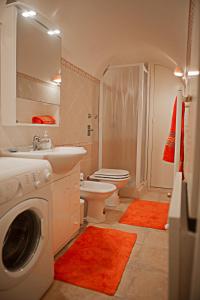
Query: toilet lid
112	173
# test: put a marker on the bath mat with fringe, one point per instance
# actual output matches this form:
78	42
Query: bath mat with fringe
97	259
150	214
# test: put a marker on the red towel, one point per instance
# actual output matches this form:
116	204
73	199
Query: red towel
43	120
170	145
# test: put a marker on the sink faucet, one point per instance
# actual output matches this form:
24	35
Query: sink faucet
36	142
42	143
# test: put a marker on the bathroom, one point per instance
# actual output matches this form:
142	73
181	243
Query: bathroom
144	41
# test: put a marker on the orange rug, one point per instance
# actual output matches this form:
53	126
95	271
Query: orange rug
97	259
144	213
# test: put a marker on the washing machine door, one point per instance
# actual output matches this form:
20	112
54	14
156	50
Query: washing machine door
24	232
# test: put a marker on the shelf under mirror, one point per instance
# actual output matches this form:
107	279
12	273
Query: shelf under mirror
26	109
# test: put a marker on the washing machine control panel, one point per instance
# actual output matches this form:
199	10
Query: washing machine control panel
35	179
40	177
24	183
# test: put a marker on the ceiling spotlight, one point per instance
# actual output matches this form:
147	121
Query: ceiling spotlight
54	32
29	14
193	73
178	72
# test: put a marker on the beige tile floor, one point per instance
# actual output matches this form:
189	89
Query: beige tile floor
146	273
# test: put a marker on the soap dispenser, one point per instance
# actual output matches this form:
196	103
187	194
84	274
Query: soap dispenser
45	142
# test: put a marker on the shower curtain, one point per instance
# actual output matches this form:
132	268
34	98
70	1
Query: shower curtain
119	118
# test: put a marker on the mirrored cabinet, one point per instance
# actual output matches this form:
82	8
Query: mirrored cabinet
30	68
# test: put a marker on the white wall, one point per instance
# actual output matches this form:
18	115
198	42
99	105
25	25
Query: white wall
101	32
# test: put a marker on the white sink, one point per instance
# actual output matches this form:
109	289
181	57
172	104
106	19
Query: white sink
62	159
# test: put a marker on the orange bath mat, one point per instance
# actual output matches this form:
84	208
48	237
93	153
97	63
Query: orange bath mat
96	260
144	213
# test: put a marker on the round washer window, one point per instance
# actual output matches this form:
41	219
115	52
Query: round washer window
21	241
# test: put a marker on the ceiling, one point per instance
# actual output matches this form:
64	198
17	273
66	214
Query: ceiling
101	32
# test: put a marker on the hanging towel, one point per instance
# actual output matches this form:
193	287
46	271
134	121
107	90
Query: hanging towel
170	145
43	120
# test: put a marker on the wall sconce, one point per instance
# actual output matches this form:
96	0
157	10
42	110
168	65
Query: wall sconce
178	72
29	14
57	79
193	73
53	32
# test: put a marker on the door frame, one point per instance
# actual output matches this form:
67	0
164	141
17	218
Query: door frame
152	67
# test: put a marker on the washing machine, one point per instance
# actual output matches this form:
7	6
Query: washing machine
26	256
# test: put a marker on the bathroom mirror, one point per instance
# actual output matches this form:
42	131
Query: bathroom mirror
38	57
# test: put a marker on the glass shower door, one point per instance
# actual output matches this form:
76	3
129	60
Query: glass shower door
123	110
119	124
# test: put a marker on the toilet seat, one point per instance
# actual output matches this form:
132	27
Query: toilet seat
112	172
111	177
93	177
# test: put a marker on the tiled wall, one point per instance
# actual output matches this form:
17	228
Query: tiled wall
79	97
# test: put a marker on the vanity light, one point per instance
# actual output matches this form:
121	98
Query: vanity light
57	79
29	14
53	32
178	72
193	73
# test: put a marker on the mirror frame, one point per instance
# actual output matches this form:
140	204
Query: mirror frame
8	63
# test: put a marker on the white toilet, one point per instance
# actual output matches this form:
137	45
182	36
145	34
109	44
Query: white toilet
115	176
96	193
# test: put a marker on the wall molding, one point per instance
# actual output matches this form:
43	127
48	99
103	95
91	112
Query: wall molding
68	65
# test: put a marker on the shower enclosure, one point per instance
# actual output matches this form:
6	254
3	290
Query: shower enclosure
123	121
